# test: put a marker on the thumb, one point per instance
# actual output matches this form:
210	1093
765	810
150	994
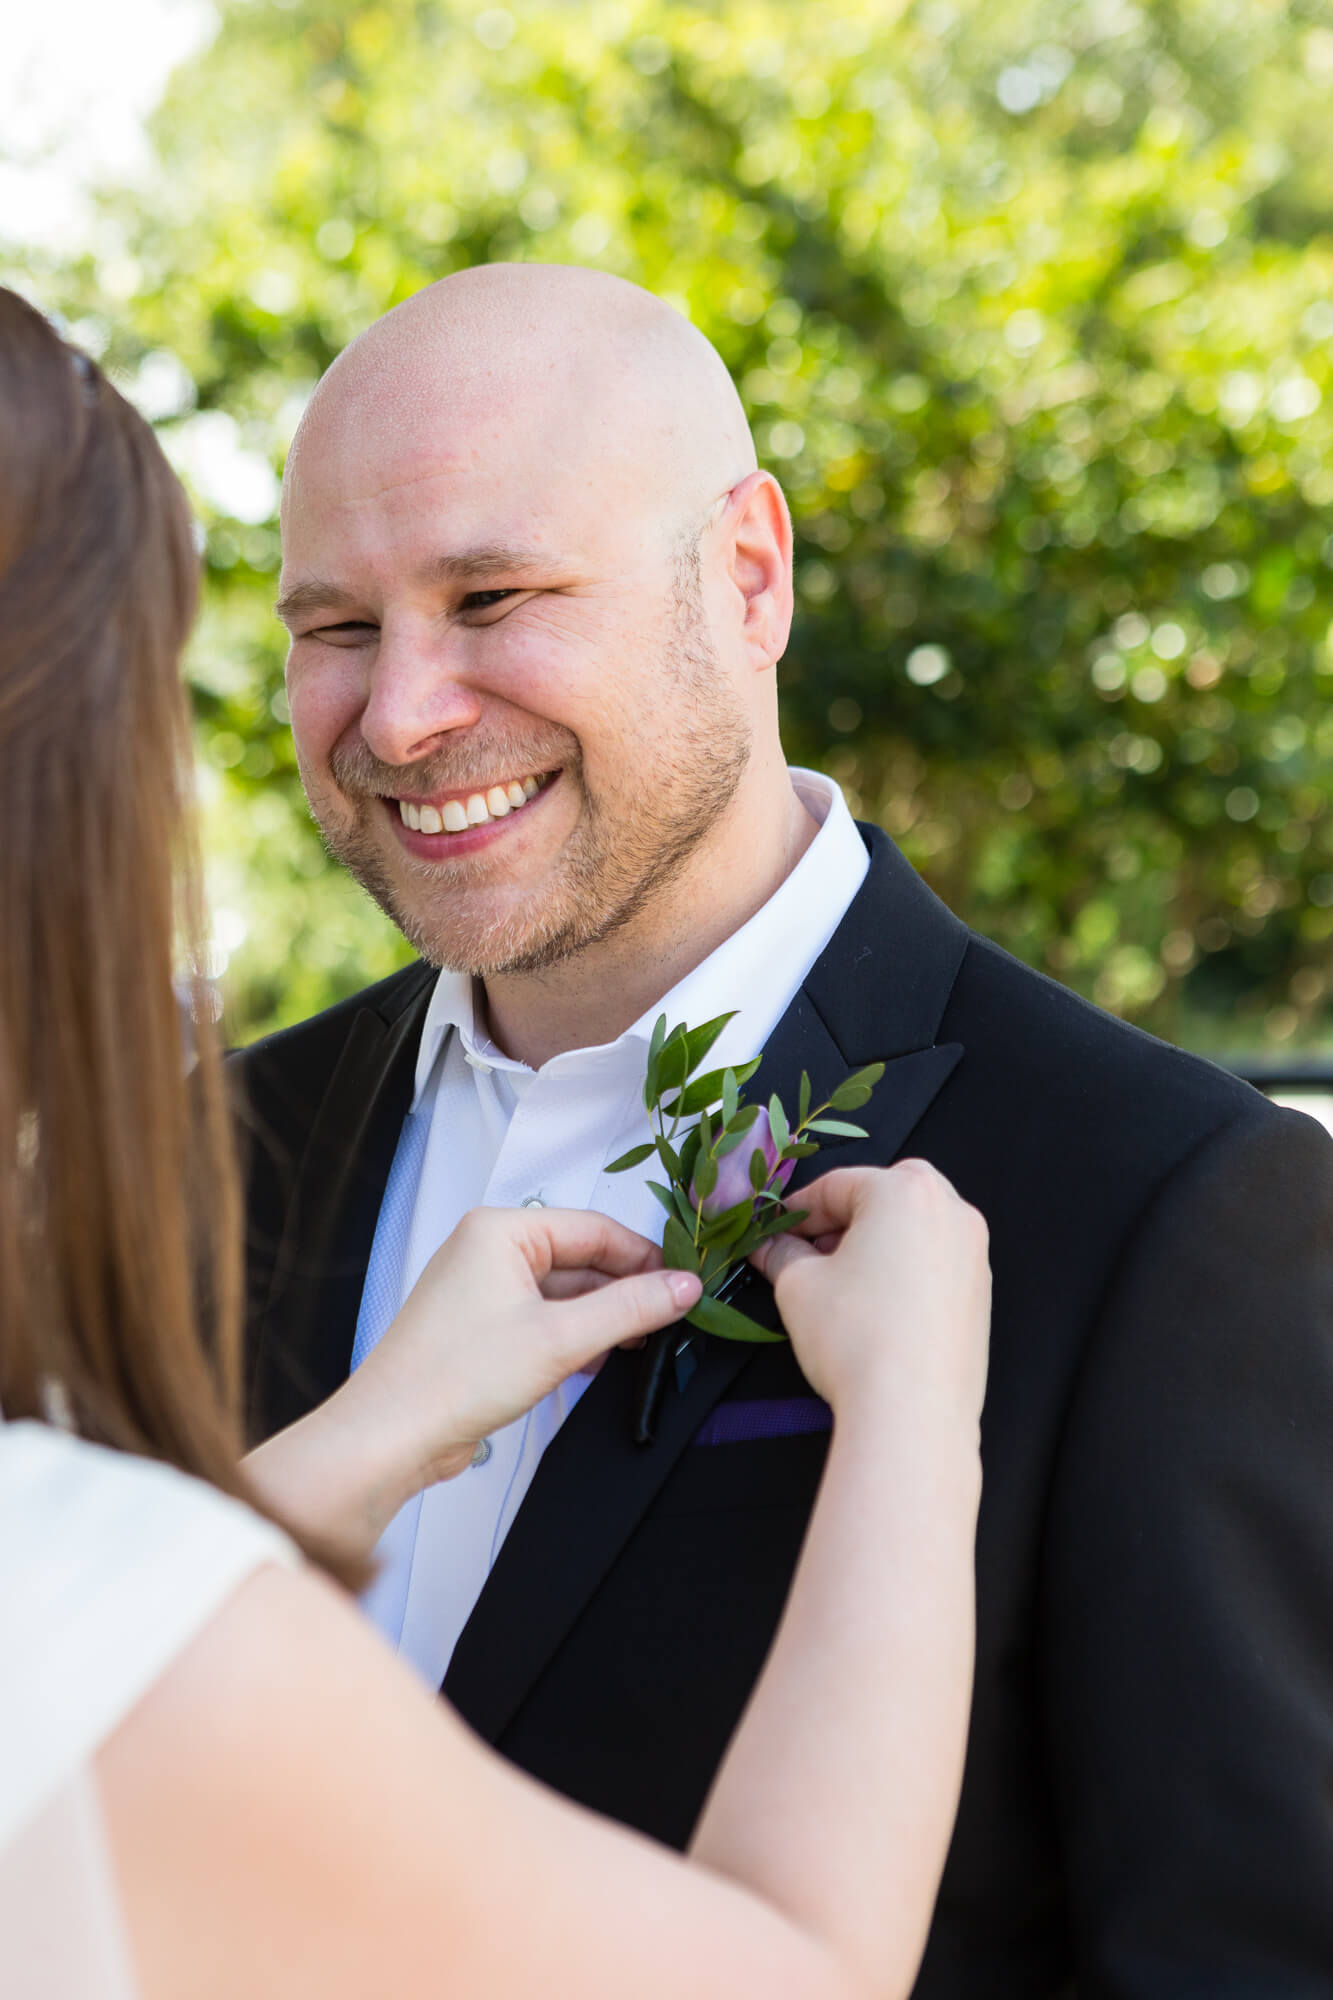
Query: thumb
777	1253
621	1311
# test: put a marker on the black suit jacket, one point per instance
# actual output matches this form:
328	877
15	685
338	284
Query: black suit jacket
1148	1803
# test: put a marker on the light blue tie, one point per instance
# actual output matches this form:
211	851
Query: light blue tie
381	1295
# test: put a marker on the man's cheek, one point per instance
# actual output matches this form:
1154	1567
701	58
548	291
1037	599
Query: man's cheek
322	708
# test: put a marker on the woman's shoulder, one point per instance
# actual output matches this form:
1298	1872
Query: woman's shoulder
110	1565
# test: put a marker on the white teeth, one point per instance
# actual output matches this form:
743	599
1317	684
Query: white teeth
456	815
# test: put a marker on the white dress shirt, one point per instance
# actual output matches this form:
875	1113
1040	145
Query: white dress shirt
487	1130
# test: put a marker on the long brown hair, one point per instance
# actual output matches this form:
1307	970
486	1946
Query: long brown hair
120	1280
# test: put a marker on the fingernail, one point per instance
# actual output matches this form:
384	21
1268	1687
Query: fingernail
684	1287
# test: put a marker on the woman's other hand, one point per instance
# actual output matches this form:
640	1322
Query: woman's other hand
886	1284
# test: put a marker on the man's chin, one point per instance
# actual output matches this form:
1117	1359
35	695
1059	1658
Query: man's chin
486	942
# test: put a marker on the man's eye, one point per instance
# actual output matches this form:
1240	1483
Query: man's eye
482	600
349	629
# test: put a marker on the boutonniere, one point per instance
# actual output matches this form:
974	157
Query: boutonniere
727	1162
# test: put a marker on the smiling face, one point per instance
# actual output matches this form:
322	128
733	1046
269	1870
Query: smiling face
511	721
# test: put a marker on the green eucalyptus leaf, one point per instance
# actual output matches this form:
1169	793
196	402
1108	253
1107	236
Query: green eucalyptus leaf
837	1129
705	1177
634	1158
650	1080
737	1128
731	1096
663	1195
669	1157
701	1095
803	1107
712	1316
751	1240
801	1149
717	1262
707	1090
677	1248
686	1211
689	1154
728	1227
758	1169
774	1225
777	1122
705	1131
855	1090
700	1040
673	1062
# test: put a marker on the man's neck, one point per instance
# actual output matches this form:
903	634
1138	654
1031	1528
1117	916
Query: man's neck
591	998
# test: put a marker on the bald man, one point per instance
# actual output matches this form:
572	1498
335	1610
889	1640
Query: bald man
537	591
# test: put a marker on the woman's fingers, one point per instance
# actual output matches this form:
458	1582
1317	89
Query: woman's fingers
573	1284
621	1312
774	1256
584	1239
834	1199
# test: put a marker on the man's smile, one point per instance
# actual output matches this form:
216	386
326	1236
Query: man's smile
464	817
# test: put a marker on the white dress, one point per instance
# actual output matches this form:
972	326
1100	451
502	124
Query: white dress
109	1566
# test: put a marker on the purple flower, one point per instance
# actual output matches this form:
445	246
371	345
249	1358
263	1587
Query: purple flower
733	1170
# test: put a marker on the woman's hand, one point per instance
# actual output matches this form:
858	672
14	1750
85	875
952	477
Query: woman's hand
513	1302
886	1287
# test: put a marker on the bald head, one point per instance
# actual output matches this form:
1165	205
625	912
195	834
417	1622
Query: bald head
542	366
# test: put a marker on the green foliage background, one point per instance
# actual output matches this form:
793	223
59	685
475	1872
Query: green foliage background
1030	302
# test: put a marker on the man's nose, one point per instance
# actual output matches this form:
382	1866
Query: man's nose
416	696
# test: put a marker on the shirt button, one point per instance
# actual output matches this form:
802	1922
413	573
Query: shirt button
482	1453
532	1201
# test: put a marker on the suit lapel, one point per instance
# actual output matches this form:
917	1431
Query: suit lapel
309	1320
591	1490
877	993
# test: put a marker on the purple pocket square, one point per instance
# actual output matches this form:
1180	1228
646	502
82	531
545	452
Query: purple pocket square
779	1417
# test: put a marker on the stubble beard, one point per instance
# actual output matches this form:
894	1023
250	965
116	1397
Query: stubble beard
629	842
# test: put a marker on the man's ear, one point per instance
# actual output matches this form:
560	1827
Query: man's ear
758	551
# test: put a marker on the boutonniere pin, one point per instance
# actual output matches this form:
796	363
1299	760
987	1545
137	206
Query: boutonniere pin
727	1162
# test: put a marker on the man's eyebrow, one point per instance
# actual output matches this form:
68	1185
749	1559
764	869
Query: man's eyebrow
314	595
466	564
462	566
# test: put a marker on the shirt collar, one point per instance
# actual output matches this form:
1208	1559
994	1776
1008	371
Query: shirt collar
756	971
